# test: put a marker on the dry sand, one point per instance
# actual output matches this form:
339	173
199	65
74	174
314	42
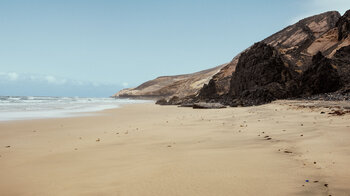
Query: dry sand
145	149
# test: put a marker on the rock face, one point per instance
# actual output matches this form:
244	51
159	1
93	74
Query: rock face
321	77
261	76
341	60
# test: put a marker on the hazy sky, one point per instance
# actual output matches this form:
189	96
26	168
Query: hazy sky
94	48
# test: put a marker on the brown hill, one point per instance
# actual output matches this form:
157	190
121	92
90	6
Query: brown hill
167	86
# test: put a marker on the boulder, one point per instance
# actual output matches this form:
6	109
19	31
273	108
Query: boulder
162	101
203	105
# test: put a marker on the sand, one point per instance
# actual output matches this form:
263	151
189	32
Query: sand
146	149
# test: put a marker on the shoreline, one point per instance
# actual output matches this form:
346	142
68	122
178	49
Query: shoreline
58	107
146	149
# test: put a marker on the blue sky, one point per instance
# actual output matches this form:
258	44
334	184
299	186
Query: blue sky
95	48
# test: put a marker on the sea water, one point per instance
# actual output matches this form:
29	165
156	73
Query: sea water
33	107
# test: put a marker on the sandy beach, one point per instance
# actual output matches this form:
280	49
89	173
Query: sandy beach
146	149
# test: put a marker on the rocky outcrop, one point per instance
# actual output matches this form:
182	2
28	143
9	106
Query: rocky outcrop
162	101
321	77
185	101
341	60
203	105
261	76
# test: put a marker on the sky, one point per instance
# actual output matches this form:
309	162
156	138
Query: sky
95	48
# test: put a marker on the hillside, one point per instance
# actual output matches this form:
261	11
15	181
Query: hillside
167	86
307	58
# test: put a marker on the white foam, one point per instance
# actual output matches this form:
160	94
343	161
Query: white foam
24	108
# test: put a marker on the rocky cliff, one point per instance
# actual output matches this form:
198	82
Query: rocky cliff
297	42
303	59
261	75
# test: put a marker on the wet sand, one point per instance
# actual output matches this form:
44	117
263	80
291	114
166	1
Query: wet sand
146	149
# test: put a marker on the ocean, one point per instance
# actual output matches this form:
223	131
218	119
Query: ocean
35	107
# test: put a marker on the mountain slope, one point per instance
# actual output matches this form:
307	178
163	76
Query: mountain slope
167	86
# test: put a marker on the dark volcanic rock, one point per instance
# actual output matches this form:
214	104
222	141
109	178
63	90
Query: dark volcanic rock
342	60
261	76
208	91
162	102
321	77
203	105
175	100
343	26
